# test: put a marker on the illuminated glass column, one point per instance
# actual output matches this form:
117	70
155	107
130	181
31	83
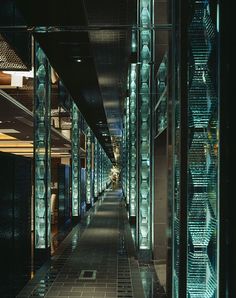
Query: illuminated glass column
75	156
99	168
144	127
127	133
202	157
95	168
89	201
103	170
124	157
42	150
133	141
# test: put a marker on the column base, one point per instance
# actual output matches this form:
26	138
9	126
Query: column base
41	255
88	206
132	220
145	255
75	219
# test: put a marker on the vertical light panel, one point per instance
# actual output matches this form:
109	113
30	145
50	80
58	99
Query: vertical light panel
176	189
103	169
88	166
161	104
127	131
203	123
133	140
95	167
99	168
124	157
144	124
42	149
75	156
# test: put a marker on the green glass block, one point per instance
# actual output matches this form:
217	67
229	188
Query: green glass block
42	149
75	164
203	161
145	99
89	199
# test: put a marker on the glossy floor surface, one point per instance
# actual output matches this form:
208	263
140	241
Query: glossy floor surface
97	259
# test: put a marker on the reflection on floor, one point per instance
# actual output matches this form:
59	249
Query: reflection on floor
101	243
59	234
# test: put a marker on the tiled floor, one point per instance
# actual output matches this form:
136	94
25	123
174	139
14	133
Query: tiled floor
101	242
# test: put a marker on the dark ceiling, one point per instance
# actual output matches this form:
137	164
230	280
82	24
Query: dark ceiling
96	33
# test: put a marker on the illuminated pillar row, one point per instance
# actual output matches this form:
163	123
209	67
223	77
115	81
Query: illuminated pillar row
89	199
75	156
42	150
144	124
133	140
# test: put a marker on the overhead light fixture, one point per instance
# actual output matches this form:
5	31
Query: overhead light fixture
78	60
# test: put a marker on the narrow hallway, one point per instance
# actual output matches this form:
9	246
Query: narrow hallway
97	259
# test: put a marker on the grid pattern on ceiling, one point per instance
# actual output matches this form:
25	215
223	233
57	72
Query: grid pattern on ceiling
108	12
9	60
111	52
110	48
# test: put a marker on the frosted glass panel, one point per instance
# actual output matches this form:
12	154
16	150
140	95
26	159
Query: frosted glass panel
202	264
88	166
145	99
42	146
133	139
75	148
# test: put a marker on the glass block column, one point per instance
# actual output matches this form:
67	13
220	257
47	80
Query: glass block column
103	170
127	133
99	168
124	158
42	150
176	187
89	198
144	128
75	156
96	168
133	141
203	123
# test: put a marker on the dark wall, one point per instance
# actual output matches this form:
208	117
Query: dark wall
15	215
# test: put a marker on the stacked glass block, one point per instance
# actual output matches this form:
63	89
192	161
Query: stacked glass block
124	157
127	150
42	150
95	167
75	156
88	166
161	107
99	168
202	156
145	56
132	139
